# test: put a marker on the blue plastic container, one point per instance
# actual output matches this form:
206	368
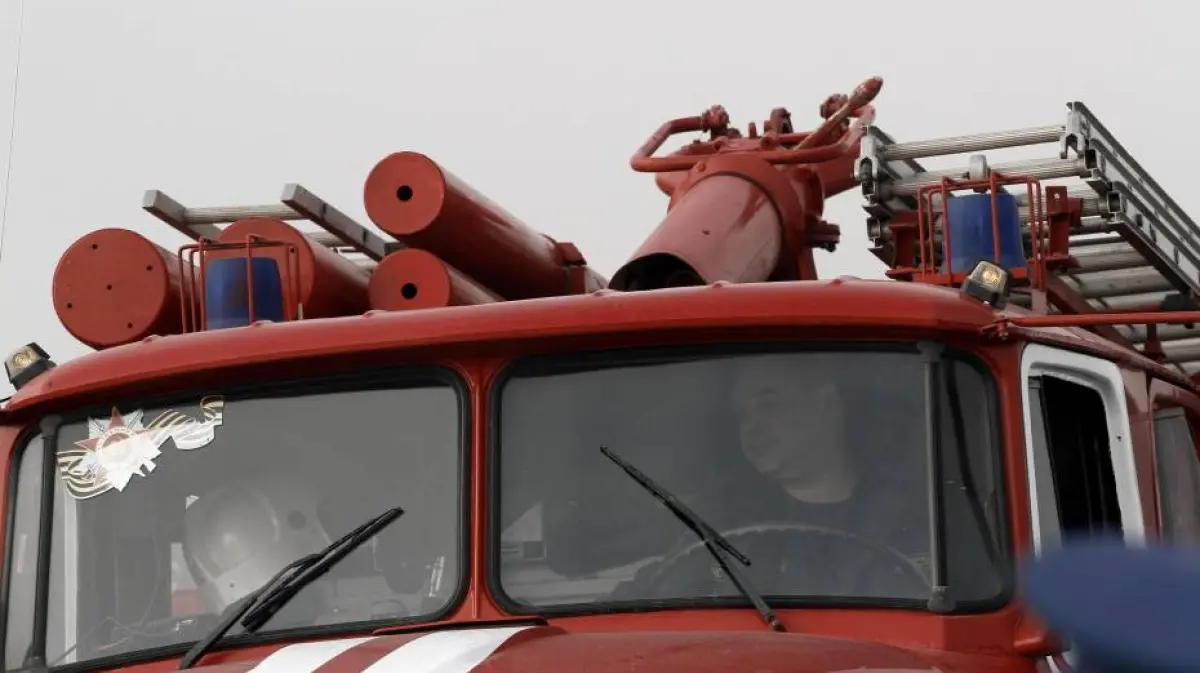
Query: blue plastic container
969	217
227	295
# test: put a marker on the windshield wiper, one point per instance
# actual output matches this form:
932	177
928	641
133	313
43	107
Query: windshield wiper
713	541
261	604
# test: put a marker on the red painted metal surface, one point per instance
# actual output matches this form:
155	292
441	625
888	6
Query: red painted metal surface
742	209
809	148
734	219
607	319
114	286
604	319
419	202
330	285
553	648
414	279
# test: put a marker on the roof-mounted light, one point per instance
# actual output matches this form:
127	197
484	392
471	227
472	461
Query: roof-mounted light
25	364
239	291
988	283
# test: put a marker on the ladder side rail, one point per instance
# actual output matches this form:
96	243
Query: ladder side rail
872	166
1118	151
977	142
1138	211
1161	247
1147	212
870	171
335	222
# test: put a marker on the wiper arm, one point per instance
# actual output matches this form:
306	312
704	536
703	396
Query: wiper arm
261	604
713	541
276	598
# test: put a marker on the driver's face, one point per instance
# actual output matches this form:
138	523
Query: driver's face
790	419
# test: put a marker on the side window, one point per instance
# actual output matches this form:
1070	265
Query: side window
1178	477
22	561
1079	458
1081	469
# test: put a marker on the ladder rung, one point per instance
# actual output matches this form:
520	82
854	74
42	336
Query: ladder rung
1165	332
1040	169
326	239
195	223
1129	301
1096	232
1183	350
178	214
1091	231
972	143
1105	284
1108	257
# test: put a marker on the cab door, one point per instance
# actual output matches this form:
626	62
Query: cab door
1080	465
1176	414
1079	458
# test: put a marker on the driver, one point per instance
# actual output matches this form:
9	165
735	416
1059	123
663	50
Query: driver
239	535
793	427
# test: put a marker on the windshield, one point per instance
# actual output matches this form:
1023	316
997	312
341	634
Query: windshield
813	464
165	515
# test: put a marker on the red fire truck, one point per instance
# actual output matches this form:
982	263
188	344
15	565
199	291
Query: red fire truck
446	443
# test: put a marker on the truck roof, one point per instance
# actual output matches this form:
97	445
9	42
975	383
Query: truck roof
839	303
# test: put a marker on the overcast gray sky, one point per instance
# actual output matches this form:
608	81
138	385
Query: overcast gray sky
536	104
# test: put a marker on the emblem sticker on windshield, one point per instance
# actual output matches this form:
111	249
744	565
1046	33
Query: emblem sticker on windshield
121	447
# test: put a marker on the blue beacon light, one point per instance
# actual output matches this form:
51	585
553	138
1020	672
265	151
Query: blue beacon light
969	220
227	292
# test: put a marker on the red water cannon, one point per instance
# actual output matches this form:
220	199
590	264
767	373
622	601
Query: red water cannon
747	208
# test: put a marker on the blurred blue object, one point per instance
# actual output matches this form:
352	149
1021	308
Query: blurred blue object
1121	608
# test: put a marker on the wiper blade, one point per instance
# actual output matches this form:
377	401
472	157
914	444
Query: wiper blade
261	604
713	541
276	598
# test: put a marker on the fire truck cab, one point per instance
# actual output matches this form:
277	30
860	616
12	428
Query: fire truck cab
464	448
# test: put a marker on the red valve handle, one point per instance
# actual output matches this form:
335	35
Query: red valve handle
811	148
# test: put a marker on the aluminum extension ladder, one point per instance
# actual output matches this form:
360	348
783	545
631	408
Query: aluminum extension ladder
337	231
1136	246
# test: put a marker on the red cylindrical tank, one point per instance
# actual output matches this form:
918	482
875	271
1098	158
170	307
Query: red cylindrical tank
411	197
114	286
330	285
727	222
412	279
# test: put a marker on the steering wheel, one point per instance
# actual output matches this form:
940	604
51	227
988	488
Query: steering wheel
669	568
